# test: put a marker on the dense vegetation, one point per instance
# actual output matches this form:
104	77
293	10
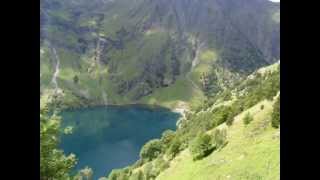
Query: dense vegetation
193	132
54	164
201	146
159	52
247	119
151	150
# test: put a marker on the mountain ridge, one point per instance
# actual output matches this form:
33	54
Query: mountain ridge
126	53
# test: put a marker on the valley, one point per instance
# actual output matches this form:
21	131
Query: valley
131	52
159	89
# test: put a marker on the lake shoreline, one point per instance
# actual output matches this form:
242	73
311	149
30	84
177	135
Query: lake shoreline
113	137
145	106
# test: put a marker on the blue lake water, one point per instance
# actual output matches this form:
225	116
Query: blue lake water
105	138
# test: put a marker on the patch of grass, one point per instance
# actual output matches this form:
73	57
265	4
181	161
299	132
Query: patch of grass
181	90
208	56
206	62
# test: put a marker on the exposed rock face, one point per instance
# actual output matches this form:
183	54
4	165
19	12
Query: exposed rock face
149	43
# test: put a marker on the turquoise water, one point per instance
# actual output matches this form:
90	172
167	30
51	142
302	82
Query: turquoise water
105	138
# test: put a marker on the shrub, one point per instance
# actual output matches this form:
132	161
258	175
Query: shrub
137	176
251	100
138	163
275	122
201	146
230	120
262	107
221	114
236	108
247	119
197	108
123	176
219	138
167	137
160	165
233	112
151	150
54	164
226	95
149	174
115	174
174	148
76	79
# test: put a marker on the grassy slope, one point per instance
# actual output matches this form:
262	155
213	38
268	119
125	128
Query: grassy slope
244	157
182	90
206	59
131	61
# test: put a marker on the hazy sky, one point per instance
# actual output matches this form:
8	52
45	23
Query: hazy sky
275	0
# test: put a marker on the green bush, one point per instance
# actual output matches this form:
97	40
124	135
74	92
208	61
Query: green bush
76	79
54	164
234	110
201	146
226	95
221	115
149	173
247	119
151	150
159	166
114	175
262	87
137	176
219	138
275	122
174	148
120	174
164	165
138	163
167	137
230	120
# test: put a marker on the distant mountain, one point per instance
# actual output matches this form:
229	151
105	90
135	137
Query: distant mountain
141	51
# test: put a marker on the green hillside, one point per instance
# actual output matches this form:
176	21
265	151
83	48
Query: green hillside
110	52
213	61
252	152
238	134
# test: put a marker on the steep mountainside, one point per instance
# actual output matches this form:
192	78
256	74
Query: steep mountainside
234	136
153	51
